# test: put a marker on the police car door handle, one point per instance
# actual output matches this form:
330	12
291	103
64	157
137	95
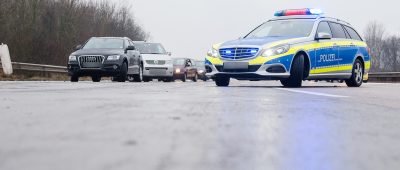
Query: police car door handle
334	44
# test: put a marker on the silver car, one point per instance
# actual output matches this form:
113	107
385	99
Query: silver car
156	62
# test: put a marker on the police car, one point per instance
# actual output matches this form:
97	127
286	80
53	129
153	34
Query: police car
296	45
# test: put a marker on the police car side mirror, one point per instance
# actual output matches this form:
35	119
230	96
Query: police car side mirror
323	36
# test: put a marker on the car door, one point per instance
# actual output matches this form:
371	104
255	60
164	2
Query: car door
351	50
339	35
195	67
136	55
326	51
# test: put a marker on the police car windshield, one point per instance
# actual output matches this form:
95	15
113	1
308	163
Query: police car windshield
150	48
98	43
283	28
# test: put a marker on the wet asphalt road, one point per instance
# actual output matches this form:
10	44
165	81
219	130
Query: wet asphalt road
197	126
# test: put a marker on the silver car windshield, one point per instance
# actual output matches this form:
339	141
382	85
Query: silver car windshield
98	43
283	28
150	48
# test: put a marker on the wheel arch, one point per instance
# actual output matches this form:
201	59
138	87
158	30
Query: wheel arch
307	62
361	58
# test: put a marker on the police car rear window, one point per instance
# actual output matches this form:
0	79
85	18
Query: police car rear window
337	30
353	34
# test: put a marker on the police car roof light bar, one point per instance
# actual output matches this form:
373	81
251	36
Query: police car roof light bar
305	11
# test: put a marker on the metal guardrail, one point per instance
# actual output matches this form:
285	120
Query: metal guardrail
384	77
38	67
380	77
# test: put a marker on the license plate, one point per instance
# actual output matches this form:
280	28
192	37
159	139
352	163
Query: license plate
236	65
158	71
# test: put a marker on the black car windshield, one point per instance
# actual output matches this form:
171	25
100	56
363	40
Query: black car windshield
179	62
98	43
283	28
150	48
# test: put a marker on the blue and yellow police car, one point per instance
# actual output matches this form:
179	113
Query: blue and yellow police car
294	46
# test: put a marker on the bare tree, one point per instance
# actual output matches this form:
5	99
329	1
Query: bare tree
374	34
45	31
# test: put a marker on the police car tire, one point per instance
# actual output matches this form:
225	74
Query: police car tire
74	78
296	73
352	82
124	72
222	81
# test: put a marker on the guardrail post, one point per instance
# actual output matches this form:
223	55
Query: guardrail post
5	59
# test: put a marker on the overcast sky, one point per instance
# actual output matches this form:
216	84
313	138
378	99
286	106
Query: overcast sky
188	28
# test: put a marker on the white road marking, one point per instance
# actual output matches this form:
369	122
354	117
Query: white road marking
313	93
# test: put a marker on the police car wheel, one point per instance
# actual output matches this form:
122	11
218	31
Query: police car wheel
74	78
222	81
296	73
356	79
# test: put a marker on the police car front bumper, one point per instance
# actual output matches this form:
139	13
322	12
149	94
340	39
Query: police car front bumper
254	72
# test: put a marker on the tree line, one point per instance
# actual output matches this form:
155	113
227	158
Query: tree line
46	31
385	48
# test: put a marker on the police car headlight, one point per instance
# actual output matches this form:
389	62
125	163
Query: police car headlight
213	53
276	50
178	70
201	71
72	58
113	57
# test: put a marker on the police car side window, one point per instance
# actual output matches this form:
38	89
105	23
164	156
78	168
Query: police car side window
324	27
337	30
353	34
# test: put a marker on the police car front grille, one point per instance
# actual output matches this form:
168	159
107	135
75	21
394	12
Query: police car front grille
238	53
91	61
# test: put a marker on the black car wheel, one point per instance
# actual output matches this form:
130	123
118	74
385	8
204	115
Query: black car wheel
356	79
96	78
74	78
222	81
296	73
123	73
